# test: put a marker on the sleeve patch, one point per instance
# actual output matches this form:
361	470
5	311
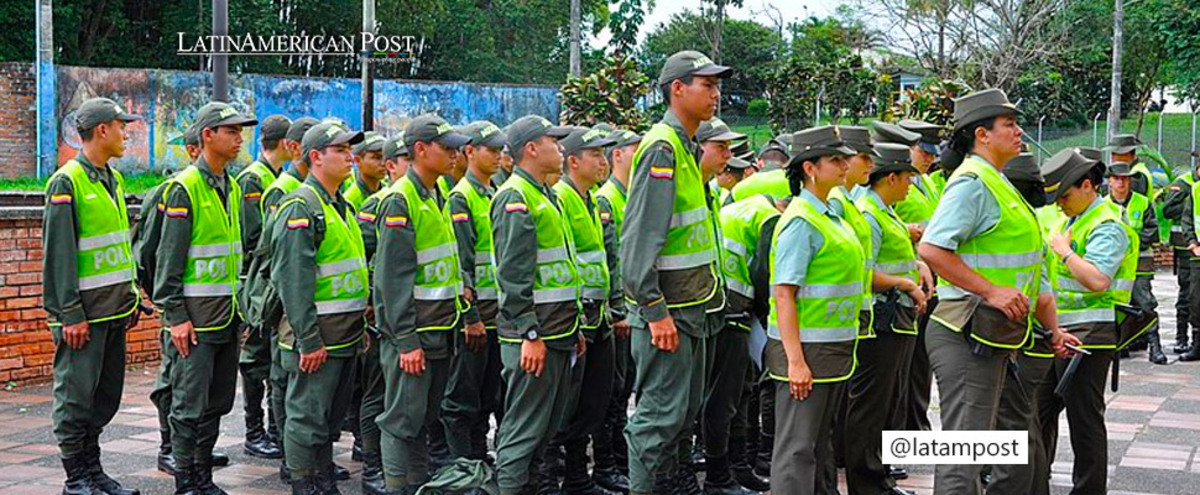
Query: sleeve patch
253	196
297	223
460	217
366	216
177	212
662	172
605	216
60	199
515	206
161	206
395	221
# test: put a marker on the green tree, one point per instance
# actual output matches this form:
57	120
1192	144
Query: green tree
607	96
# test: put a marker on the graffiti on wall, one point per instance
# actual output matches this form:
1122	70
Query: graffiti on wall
169	100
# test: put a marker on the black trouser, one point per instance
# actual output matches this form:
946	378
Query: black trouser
1084	403
472	394
590	393
920	379
723	390
608	444
881	362
1193	286
1183	310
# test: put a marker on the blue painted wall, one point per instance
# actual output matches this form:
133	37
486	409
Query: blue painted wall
169	100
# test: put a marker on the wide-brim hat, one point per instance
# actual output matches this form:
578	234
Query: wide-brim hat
982	105
1064	169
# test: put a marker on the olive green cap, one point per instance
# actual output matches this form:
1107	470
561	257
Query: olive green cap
96	111
690	63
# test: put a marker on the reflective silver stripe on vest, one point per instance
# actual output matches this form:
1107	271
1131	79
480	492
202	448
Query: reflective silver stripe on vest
545	296
682	261
105	280
207	290
1097	315
487	293
435	253
1123	285
551	255
897	268
591	257
341	306
434	293
483	259
213	250
339	267
594	293
822	335
740	288
689	217
994	261
951	292
734	247
103	240
830	291
1177	228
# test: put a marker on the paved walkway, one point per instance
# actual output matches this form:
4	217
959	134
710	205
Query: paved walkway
1154	436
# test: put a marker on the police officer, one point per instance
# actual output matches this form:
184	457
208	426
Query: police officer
200	256
816	261
668	247
1019	398
417	290
1139	214
370	171
370	372
319	270
747	227
146	238
899	296
539	302
609	449
584	168
90	295
1092	272
1178	199
255	360
1124	150
271	200
473	392
982	217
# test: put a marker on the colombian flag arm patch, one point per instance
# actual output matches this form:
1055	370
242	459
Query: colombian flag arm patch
366	216
253	196
297	223
60	199
515	206
662	172
177	212
395	221
460	217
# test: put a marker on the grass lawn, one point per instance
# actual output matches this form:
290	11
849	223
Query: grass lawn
134	184
1176	140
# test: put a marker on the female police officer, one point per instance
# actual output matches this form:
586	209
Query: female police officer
985	243
817	273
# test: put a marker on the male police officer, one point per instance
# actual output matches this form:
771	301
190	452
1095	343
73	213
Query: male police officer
539	301
473	392
609	449
319	270
200	255
668	248
417	288
371	171
88	271
255	359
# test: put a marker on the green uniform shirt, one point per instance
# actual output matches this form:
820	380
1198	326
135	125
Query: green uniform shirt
396	264
59	277
515	240
176	238
294	267
464	232
647	218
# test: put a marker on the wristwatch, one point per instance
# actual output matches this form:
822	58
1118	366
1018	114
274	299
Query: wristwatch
532	334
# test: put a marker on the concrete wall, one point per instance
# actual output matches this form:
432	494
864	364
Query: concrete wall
169	100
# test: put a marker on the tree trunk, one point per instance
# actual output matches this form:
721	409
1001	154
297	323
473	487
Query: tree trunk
1114	109
576	68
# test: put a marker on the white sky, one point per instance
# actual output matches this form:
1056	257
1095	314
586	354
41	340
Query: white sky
791	10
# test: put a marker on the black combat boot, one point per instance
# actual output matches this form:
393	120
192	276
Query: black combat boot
1156	355
79	478
101	480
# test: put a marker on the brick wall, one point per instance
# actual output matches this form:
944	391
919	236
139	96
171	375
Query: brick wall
18	135
26	349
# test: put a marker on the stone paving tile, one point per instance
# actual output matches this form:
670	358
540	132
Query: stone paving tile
1136	403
